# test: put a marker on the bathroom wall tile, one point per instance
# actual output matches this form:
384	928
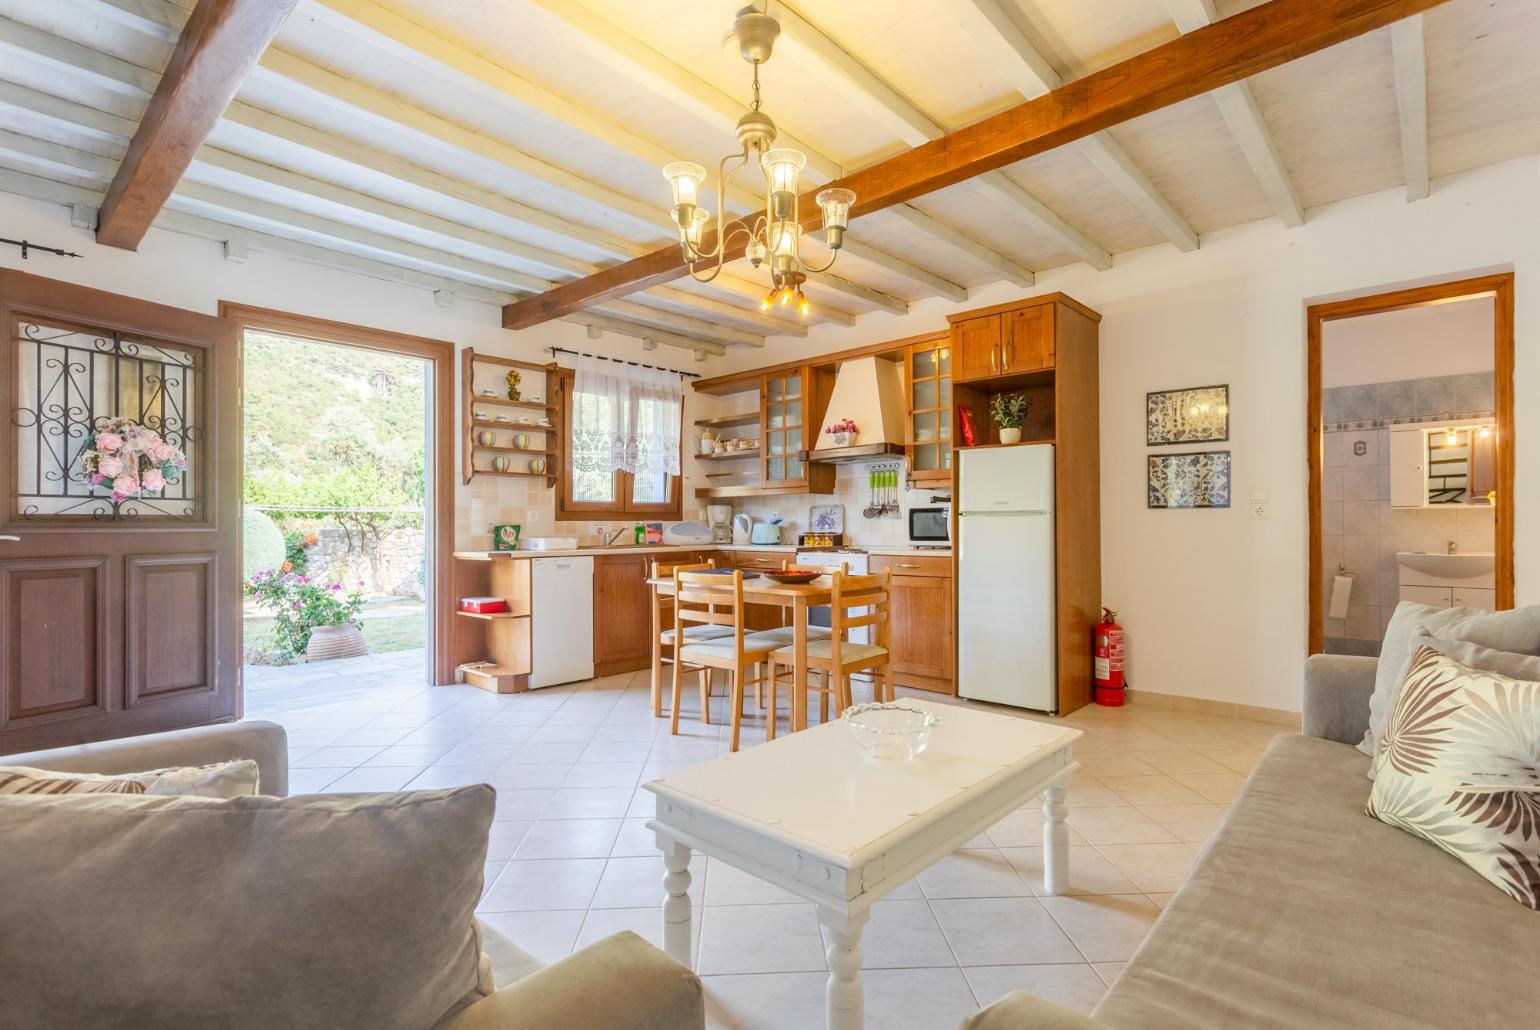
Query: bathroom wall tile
1476	529
1332	447
1360	518
1361	483
1361	448
1358	403
1435	396
1363	621
1398	400
1361	556
1473	392
1384	484
1331	484
1390	589
1331	405
1331	518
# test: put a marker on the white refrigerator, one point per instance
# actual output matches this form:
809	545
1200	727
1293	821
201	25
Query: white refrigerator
1006	610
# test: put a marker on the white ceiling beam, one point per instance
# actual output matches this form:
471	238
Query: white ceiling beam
1238	105
1032	76
864	294
104	71
684	89
1045	219
914	127
644	333
1004	267
1409	51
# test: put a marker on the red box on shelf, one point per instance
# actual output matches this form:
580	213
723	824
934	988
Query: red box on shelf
483	605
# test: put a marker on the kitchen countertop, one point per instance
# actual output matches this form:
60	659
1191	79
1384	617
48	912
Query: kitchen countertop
665	548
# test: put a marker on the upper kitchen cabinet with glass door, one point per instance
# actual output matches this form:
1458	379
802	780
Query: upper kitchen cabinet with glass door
928	377
792	405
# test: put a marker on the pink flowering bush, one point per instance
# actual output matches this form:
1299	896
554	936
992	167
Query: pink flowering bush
134	459
299	606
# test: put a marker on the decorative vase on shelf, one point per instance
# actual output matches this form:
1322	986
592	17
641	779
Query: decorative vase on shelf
1010	435
343	641
844	439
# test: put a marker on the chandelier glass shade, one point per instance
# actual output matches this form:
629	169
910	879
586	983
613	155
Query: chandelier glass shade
773	235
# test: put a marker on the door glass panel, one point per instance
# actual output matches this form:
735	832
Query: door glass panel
946	458
145	400
925	427
946	393
793	441
924	394
793	386
793	413
775	389
944	360
945	418
775	469
924	365
793	468
777	443
773	417
925	457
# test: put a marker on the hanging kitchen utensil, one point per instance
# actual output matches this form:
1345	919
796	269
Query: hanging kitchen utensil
872	509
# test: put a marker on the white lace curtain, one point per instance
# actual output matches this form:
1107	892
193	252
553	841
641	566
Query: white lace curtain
625	418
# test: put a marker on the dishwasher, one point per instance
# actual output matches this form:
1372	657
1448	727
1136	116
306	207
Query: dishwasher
561	621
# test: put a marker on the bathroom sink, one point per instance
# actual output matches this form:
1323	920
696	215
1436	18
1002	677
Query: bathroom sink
1462	567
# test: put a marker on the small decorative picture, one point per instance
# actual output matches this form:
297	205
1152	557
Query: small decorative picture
505	538
1199	479
1197	415
653	532
826	518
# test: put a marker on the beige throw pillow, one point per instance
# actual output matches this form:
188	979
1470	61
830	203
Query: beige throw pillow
222	780
1457	767
263	913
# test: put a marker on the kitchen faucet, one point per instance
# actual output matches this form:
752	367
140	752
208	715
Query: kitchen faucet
626	529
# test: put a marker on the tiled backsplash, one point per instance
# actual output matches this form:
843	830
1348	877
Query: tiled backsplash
852	492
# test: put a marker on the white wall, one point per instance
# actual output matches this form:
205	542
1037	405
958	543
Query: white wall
1415	343
1215	603
190	273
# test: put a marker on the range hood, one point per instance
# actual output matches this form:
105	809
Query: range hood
870	392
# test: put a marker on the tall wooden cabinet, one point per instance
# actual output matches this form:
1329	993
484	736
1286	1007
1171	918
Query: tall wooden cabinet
928	388
1046	349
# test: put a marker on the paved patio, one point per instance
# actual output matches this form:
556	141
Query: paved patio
570	858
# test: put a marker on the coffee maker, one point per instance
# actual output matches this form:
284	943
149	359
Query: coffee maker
720	518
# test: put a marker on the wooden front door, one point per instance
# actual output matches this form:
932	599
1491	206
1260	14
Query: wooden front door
118	615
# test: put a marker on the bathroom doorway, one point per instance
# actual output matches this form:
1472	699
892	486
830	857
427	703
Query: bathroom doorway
1411	450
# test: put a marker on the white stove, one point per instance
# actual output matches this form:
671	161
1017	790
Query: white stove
856	563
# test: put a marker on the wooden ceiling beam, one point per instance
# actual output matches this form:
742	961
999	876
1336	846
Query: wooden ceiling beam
1238	106
216	50
1032	76
1409	51
1235	48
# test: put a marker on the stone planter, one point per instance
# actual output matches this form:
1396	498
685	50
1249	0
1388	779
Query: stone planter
327	642
1010	435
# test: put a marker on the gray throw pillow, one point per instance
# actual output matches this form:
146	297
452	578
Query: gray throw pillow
1516	631
345	910
1481	659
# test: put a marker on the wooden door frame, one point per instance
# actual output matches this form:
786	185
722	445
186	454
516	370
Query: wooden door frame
1500	288
440	354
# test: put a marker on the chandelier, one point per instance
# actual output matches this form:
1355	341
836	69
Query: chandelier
774	234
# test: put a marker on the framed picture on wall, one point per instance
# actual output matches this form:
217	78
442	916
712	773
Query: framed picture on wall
1198	414
1197	479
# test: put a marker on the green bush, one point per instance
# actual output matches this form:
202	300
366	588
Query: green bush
262	547
296	546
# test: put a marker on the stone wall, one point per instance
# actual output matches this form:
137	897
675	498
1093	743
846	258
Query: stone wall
387	562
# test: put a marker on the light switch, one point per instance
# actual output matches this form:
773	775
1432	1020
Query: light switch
1259	495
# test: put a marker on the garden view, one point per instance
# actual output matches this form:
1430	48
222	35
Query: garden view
334	476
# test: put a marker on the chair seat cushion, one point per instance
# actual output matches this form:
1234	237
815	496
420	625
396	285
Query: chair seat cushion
786	635
726	649
850	653
697	633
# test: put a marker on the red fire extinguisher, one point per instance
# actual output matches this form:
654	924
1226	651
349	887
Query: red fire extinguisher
1107	649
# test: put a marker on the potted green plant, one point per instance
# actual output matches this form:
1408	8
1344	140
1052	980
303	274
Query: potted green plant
1010	410
309	619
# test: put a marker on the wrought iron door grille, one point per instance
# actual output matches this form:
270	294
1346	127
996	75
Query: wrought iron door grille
69	383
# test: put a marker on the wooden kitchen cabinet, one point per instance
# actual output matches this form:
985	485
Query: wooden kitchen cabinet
928	388
792	406
922	623
1010	340
622	612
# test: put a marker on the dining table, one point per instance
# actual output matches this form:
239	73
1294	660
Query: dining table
798	598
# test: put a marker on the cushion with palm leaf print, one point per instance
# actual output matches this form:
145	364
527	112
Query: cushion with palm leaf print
1458	767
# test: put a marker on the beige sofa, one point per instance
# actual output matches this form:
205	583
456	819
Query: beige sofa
620	983
1302	911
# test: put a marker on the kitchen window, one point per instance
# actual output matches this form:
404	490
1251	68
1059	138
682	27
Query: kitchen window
622	425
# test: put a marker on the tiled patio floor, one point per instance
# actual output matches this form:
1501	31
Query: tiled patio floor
571	860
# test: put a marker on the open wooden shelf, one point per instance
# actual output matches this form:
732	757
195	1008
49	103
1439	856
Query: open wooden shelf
745	490
505	402
513	450
728	421
515	427
491	616
729	455
515	475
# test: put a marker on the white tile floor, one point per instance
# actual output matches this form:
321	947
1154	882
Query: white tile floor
570	859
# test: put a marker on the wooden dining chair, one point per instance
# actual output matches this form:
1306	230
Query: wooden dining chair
700	600
835	658
663	625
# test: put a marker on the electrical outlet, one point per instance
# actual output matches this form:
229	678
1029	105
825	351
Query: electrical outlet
1261	510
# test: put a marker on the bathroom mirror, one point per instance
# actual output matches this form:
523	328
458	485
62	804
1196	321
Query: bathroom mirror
1462	466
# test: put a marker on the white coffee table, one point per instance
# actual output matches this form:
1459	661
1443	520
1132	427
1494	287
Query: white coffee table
814	814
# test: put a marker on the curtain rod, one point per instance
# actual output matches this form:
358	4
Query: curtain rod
622	361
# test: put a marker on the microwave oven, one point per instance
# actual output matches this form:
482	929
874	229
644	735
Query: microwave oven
930	527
